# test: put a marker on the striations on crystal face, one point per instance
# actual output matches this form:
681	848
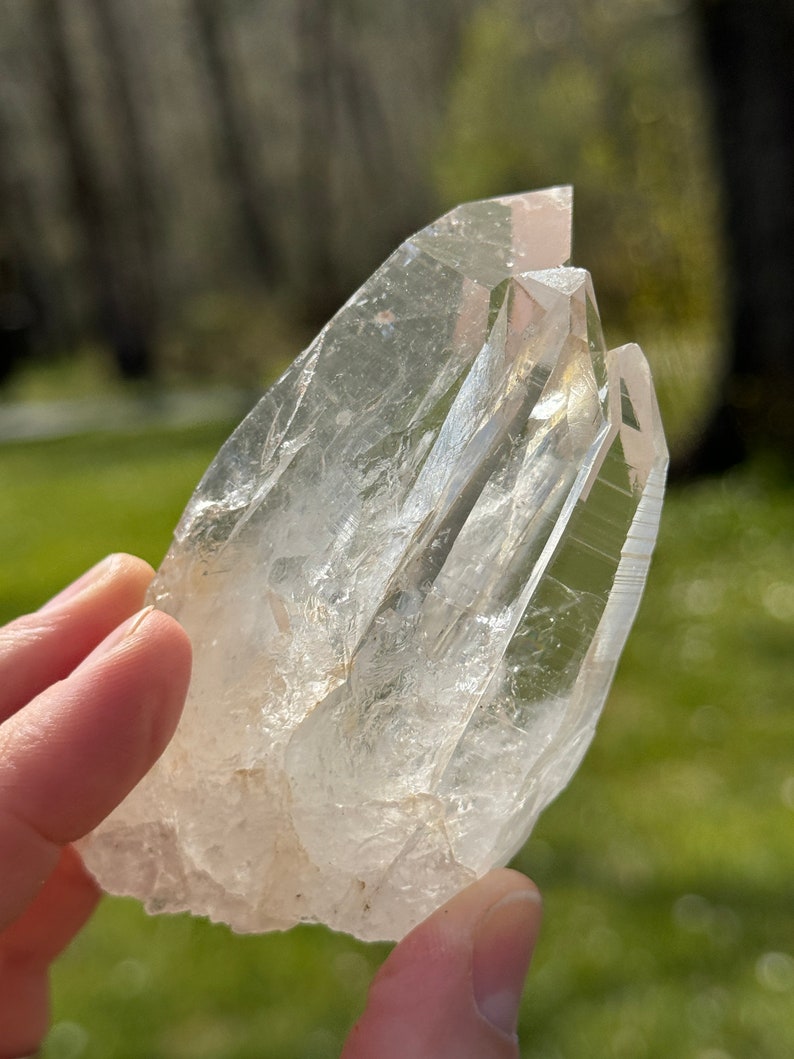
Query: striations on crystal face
408	576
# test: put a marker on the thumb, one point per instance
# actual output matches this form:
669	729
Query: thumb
451	989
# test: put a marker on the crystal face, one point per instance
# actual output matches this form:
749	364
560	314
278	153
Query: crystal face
407	576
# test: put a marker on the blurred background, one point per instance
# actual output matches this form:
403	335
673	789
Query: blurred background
188	189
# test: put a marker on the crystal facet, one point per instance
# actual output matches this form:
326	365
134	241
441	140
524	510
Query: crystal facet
407	576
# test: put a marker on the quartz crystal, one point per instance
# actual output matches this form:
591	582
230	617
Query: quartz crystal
407	576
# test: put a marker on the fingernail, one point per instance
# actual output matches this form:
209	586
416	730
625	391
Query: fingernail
503	945
85	581
113	639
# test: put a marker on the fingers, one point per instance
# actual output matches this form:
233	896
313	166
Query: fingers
30	944
74	752
86	707
43	647
451	989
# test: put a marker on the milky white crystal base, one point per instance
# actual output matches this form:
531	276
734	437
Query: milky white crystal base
407	576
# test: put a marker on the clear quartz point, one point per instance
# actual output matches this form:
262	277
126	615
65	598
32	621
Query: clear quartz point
408	576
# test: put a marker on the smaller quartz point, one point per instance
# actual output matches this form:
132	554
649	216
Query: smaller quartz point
408	576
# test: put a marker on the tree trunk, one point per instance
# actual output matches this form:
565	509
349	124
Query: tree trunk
320	292
31	312
118	310
249	191
133	213
749	45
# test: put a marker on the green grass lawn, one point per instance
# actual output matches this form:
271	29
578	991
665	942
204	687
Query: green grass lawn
667	867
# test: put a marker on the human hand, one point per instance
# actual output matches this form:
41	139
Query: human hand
89	697
451	988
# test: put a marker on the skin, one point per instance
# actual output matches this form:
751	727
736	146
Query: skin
91	689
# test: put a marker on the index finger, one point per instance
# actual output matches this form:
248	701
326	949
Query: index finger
75	751
41	648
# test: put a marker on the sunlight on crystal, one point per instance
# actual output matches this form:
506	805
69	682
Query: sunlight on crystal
408	577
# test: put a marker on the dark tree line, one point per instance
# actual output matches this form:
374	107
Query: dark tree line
290	121
151	153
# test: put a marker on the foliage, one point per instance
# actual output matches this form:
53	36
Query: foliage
607	97
666	866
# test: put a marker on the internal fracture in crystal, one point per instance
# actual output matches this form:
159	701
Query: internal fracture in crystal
408	576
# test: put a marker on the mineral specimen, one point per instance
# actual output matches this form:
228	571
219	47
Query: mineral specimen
408	576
